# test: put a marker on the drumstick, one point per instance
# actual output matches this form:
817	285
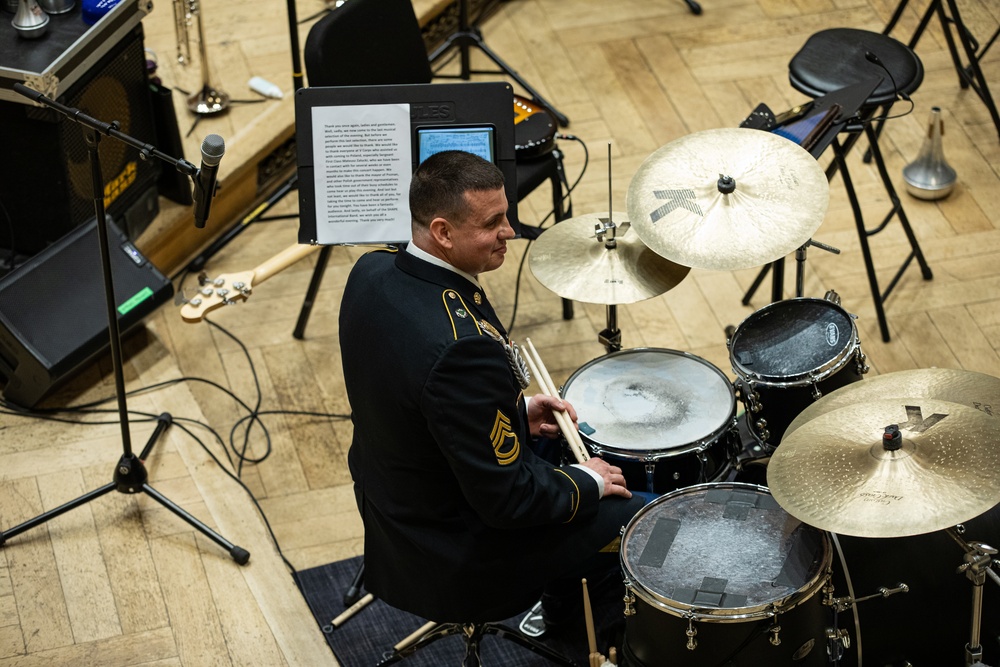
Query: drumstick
588	615
415	635
570	432
565	423
352	610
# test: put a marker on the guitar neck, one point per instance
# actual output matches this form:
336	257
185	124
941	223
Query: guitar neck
282	261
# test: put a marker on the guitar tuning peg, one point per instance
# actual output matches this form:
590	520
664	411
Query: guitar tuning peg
203	278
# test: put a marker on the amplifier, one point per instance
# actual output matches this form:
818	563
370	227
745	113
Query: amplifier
53	309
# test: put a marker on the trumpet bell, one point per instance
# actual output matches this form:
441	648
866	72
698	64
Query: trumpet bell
930	176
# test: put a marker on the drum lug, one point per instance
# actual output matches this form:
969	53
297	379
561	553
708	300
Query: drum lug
832	297
816	393
629	600
691	633
862	361
775	631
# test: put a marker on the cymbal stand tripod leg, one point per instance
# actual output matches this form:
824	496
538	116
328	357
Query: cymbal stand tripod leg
469	35
978	560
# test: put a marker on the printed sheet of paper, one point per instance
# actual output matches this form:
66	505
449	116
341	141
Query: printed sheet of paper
362	170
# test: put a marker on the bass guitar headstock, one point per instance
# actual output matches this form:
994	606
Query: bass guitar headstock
227	289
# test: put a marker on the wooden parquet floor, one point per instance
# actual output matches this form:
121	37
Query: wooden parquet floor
122	581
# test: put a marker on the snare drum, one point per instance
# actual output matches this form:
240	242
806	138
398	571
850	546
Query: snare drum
787	355
666	418
719	574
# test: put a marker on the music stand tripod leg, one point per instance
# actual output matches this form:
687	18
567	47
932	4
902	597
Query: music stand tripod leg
468	35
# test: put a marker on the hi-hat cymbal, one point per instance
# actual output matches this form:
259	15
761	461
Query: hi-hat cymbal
677	204
836	474
570	260
976	390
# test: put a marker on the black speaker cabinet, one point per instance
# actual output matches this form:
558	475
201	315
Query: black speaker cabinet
53	310
46	187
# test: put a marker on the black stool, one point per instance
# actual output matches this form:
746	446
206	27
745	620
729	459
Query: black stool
839	57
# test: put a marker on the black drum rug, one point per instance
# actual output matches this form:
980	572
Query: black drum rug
364	639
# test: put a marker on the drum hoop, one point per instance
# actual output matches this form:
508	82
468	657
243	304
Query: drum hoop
814	375
723	614
653	455
650	455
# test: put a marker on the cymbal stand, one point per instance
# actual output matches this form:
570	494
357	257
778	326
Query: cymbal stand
130	475
800	262
469	35
978	558
611	337
777	269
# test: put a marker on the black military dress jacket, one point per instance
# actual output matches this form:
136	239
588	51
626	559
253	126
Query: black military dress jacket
463	522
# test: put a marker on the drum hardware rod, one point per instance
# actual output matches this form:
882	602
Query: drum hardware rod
800	262
611	337
844	603
977	561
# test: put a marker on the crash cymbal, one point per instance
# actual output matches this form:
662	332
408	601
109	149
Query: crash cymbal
777	197
836	472
570	260
976	390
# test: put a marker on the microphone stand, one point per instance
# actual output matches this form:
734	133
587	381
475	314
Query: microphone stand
130	474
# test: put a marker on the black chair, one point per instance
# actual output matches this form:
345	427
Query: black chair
833	59
378	43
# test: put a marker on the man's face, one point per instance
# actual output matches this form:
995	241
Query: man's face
479	242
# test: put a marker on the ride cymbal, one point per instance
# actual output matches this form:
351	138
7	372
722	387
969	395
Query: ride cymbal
976	390
727	199
838	472
569	259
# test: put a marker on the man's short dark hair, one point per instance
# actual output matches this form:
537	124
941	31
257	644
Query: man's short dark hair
440	182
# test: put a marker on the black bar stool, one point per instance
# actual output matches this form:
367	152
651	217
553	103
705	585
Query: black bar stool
839	57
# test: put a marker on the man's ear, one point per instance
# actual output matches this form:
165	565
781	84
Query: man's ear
441	232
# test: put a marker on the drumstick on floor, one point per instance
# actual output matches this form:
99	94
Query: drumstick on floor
588	615
544	381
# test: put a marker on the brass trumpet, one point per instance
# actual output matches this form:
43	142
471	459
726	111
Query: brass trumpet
210	99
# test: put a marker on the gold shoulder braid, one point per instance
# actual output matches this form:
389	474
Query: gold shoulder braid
517	363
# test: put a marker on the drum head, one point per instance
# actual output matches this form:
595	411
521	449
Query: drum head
722	552
649	400
791	339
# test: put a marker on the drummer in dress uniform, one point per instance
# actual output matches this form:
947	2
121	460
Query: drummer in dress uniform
463	521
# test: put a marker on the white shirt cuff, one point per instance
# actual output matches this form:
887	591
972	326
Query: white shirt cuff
597	478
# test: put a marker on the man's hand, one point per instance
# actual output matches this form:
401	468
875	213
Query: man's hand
541	421
614	481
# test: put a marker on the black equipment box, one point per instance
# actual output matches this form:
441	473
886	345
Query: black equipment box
53	309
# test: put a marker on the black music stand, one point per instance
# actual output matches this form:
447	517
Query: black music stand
469	35
130	474
969	76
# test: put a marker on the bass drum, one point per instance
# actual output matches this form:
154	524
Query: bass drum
787	355
718	574
931	624
666	418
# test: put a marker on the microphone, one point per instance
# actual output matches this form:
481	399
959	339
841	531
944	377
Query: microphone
212	150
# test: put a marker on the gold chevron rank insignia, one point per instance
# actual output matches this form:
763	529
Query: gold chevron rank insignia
505	443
